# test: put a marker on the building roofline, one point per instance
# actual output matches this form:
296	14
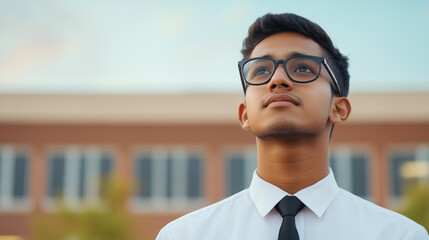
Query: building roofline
188	109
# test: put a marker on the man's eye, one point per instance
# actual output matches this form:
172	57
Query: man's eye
303	68
261	71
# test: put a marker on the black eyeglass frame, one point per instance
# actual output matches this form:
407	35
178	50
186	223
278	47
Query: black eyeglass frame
319	60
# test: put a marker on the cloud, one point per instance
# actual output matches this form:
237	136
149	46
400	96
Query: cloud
34	53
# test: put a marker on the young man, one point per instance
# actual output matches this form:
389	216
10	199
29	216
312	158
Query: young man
296	85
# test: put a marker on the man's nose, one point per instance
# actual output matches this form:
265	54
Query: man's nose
280	79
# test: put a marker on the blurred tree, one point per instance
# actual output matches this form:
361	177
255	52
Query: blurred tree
416	203
105	221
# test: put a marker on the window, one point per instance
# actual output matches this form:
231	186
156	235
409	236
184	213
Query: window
13	178
351	170
408	166
240	166
170	177
75	174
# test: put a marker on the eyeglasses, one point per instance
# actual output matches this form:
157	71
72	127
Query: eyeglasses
299	68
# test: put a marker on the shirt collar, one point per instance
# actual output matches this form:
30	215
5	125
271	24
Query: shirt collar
316	197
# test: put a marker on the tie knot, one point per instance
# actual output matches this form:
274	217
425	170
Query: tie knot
289	206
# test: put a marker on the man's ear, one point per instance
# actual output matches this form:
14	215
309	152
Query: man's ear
341	110
242	116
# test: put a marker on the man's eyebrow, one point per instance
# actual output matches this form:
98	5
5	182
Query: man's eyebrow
296	54
293	54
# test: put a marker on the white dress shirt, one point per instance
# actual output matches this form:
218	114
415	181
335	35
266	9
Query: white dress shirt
329	213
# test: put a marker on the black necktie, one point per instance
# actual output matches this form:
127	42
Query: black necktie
288	208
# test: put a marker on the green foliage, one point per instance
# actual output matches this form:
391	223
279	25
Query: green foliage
107	220
416	204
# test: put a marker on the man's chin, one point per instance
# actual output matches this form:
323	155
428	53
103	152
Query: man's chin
286	135
288	132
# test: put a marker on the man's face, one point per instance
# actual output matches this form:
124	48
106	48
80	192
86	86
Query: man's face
282	107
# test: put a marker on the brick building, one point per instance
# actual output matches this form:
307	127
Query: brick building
182	152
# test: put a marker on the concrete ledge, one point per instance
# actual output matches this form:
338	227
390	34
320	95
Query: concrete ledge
188	109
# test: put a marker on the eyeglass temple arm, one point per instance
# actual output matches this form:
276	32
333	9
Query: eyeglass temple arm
243	83
337	86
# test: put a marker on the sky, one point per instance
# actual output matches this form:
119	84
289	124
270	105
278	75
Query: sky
173	46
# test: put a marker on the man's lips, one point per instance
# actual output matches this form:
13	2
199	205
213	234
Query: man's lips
281	99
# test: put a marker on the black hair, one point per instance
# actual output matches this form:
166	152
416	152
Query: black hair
270	24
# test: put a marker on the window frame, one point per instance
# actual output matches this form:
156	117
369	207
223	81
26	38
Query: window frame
75	157
345	178
420	152
249	159
8	202
160	201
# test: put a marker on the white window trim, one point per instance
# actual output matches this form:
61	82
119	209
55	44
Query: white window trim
421	154
345	168
72	157
250	164
7	202
250	159
159	202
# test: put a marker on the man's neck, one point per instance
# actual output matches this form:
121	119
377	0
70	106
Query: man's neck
290	165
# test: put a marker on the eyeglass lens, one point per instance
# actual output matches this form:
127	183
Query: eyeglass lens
300	69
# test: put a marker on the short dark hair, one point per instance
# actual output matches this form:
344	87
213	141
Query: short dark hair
270	24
